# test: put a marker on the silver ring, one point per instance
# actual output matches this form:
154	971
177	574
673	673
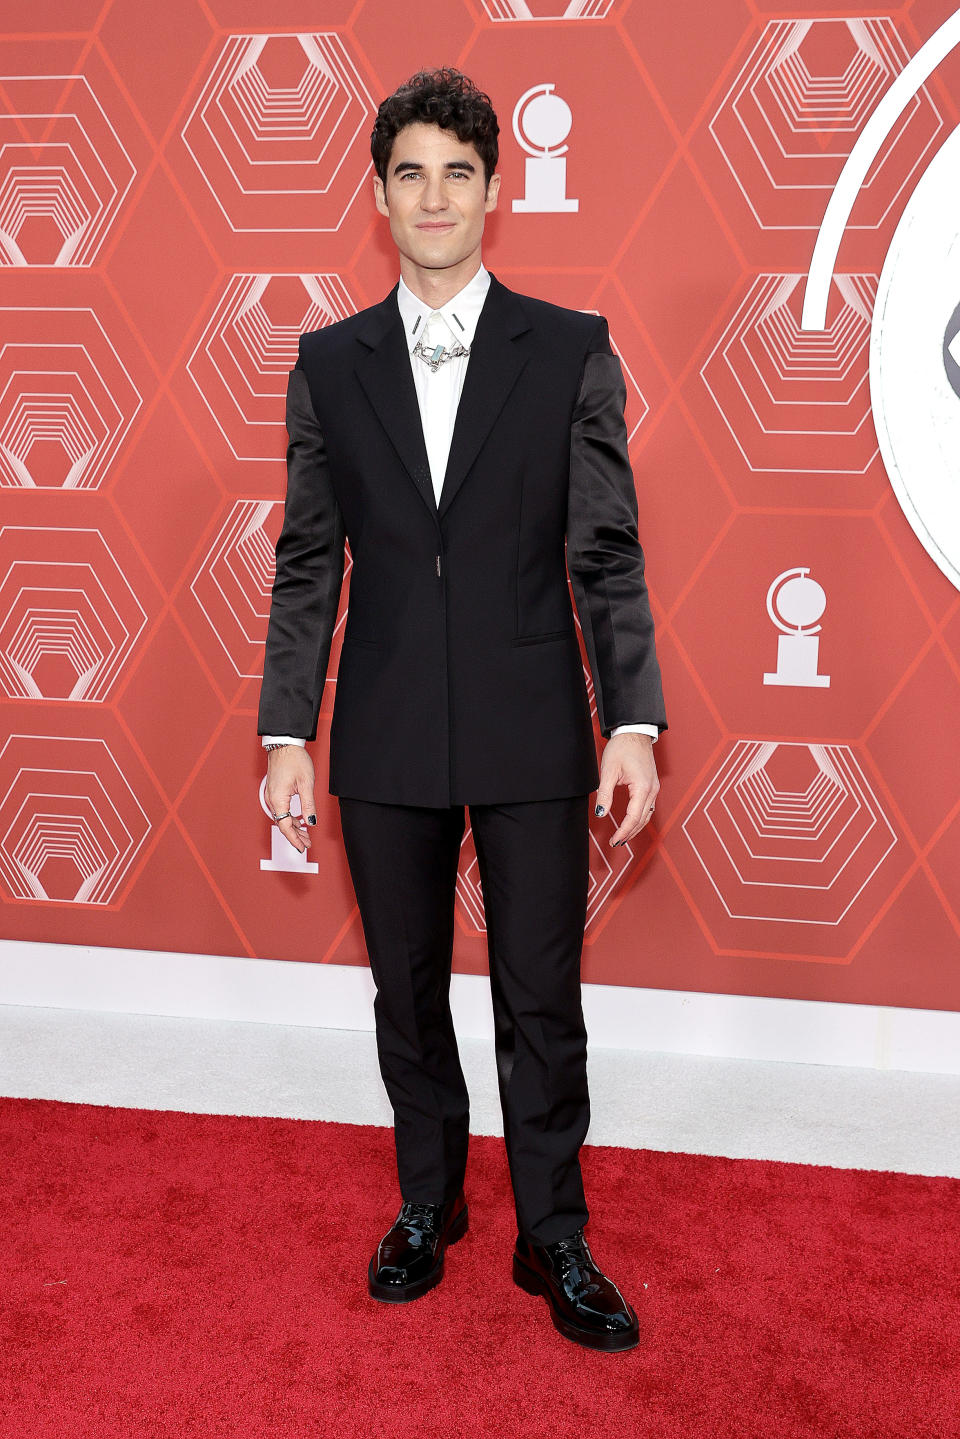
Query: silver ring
279	817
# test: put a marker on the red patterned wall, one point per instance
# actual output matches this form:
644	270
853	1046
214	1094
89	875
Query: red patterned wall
186	187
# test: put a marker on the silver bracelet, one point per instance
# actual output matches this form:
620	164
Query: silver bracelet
284	745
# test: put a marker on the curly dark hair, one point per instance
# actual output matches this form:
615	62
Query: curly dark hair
443	97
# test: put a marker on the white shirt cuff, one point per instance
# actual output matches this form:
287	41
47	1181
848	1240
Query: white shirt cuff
650	729
283	739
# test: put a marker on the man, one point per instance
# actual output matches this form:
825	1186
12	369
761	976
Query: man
457	433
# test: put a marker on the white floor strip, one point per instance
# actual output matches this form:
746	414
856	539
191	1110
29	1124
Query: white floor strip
340	996
809	1113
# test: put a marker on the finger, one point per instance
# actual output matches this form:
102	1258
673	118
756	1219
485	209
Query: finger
308	806
291	835
637	815
277	798
609	775
646	817
289	828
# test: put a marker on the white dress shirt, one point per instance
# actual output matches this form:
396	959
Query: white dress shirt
438	393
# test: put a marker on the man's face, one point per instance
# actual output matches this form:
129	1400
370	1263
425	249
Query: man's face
435	196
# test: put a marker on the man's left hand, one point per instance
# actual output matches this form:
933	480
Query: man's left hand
628	759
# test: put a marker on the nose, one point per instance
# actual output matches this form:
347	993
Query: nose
433	197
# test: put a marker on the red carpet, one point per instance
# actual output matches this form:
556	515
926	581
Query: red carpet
186	1275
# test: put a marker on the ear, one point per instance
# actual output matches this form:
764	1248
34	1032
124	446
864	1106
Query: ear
380	196
493	190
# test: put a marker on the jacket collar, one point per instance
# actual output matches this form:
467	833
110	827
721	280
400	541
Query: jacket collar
496	362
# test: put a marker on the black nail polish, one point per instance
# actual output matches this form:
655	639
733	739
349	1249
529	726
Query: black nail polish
311	819
599	809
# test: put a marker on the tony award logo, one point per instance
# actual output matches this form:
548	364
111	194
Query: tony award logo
541	122
795	603
283	856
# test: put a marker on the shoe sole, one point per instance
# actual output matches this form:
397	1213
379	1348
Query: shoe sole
532	1283
404	1293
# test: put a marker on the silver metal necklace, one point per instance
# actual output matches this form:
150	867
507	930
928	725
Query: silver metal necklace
436	355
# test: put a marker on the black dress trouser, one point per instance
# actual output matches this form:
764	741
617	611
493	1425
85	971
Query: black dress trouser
533	860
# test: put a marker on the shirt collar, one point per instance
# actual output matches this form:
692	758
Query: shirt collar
464	306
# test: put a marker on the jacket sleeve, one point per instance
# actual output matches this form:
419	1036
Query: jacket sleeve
604	557
309	574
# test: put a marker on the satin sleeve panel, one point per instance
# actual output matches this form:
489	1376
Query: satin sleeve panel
309	576
604	556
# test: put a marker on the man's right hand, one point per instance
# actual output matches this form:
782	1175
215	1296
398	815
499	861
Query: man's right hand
290	772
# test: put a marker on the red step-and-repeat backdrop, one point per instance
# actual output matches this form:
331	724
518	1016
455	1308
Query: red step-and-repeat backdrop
186	187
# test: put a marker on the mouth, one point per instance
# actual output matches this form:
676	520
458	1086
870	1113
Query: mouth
441	225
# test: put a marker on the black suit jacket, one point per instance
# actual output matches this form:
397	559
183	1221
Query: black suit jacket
460	679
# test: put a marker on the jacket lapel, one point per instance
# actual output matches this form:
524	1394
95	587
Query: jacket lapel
384	372
493	369
495	364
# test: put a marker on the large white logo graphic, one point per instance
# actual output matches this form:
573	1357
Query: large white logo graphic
914	376
541	122
914	361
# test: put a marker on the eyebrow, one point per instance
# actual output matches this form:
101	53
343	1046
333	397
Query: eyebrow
448	165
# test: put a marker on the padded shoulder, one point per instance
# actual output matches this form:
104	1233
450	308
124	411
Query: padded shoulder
576	325
330	339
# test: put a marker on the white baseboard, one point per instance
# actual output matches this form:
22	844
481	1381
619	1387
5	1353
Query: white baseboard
205	986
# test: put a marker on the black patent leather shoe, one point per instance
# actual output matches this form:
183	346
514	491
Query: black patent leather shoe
409	1258
585	1305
